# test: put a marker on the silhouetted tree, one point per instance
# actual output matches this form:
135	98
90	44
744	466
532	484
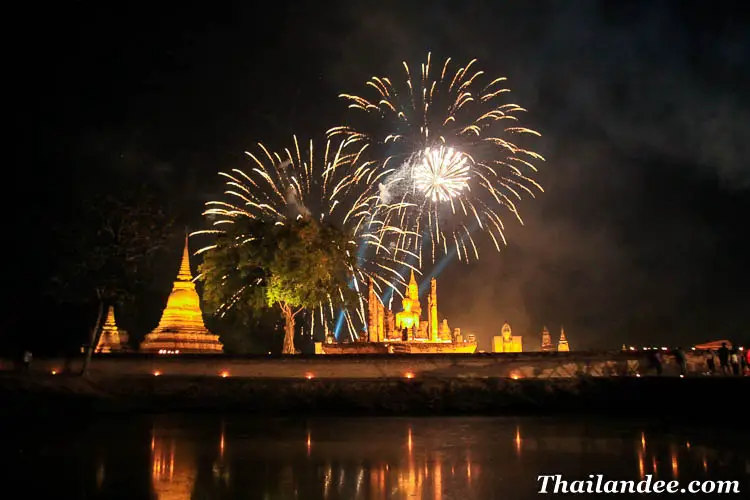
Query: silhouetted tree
108	249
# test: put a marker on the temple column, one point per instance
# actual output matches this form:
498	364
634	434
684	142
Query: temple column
381	322
432	314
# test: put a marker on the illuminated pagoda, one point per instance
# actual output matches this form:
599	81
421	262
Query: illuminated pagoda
547	344
404	331
181	329
109	338
563	344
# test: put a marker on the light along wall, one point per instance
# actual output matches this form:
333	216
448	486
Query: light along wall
157	373
409	375
224	374
309	376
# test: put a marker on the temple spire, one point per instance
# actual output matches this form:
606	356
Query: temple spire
547	340
109	339
184	274
563	345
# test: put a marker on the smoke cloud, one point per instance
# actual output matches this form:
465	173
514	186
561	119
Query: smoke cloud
644	128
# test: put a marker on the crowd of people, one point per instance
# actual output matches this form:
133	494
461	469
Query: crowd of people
731	361
722	361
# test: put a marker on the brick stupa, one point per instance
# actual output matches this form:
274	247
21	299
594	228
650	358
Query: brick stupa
109	339
181	329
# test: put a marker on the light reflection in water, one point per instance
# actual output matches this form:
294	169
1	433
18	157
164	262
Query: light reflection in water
100	475
641	465
409	443
220	468
368	464
173	474
518	440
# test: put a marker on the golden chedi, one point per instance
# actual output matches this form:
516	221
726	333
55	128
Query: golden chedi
181	329
563	345
109	338
547	344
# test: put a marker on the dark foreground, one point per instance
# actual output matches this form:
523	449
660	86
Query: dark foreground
696	399
183	457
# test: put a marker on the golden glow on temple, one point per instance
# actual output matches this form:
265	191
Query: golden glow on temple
405	331
110	339
412	310
506	341
181	328
547	344
563	345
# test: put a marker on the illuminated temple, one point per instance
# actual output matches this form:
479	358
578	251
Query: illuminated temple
110	339
405	331
506	341
563	345
181	329
548	346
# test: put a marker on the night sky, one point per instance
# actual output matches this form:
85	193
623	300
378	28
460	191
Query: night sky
640	237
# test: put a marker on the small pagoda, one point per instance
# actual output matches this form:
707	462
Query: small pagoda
547	344
181	329
563	345
110	339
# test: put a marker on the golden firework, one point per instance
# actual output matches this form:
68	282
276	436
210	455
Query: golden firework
441	155
300	182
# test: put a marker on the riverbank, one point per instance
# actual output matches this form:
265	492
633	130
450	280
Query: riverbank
695	398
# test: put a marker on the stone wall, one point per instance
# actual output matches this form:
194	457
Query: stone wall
511	365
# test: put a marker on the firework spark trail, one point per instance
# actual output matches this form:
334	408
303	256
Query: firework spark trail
294	184
439	152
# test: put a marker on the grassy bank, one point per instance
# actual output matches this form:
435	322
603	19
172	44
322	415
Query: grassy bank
647	396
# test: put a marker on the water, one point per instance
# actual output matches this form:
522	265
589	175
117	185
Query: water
175	458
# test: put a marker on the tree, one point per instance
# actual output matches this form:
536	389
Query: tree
108	249
295	266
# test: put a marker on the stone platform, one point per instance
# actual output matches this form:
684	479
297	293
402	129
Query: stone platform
538	365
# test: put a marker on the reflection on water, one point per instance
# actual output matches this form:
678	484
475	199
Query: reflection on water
441	458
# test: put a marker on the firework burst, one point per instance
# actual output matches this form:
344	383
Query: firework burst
441	155
297	183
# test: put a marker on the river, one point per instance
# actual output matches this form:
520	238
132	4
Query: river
202	457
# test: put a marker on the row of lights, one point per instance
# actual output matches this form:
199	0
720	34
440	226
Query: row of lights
310	376
649	348
632	348
169	351
225	374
